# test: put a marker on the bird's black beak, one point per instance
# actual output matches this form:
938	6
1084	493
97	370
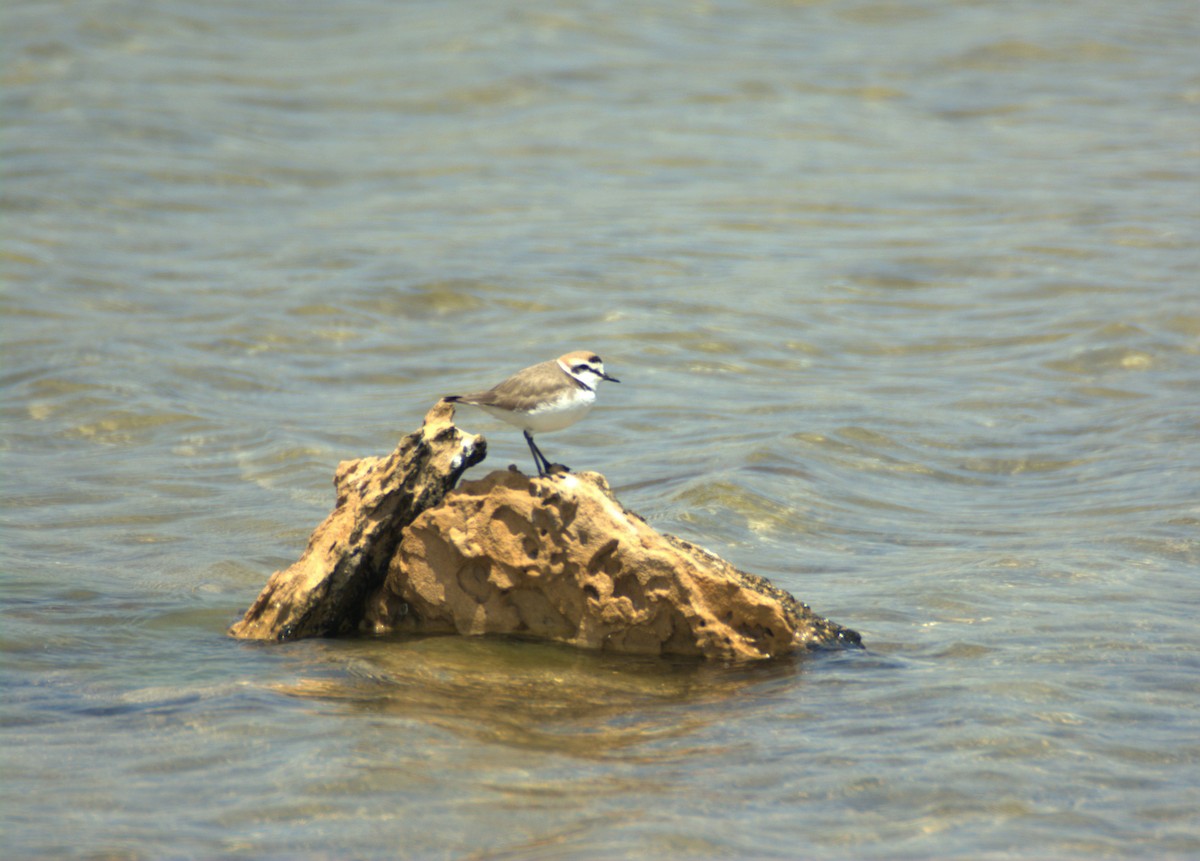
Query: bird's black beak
610	379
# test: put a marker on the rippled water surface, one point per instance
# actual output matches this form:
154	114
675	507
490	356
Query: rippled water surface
904	300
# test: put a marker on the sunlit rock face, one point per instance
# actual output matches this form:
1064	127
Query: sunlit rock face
555	558
559	558
324	592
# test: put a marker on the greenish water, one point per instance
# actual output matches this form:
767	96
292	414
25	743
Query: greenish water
903	299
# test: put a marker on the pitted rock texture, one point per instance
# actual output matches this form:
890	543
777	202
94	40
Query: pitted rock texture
324	592
559	558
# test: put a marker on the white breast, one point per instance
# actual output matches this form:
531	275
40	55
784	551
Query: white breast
561	413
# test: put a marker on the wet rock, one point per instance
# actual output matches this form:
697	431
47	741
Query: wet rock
554	558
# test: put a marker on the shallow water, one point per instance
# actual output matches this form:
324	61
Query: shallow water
904	302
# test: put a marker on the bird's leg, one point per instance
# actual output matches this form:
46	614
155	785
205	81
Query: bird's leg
539	459
544	466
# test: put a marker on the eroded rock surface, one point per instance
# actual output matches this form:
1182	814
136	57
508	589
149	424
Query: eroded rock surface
347	557
559	558
555	558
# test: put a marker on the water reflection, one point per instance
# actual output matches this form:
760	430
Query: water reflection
543	696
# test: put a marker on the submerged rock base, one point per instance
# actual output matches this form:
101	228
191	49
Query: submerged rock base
554	558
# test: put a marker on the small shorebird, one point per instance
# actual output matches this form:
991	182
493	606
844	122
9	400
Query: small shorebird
543	398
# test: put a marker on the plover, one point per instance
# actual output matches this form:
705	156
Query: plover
546	397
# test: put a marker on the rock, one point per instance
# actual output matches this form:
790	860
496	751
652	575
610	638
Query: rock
559	558
554	558
347	557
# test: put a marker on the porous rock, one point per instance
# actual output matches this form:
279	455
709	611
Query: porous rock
560	558
555	558
324	592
